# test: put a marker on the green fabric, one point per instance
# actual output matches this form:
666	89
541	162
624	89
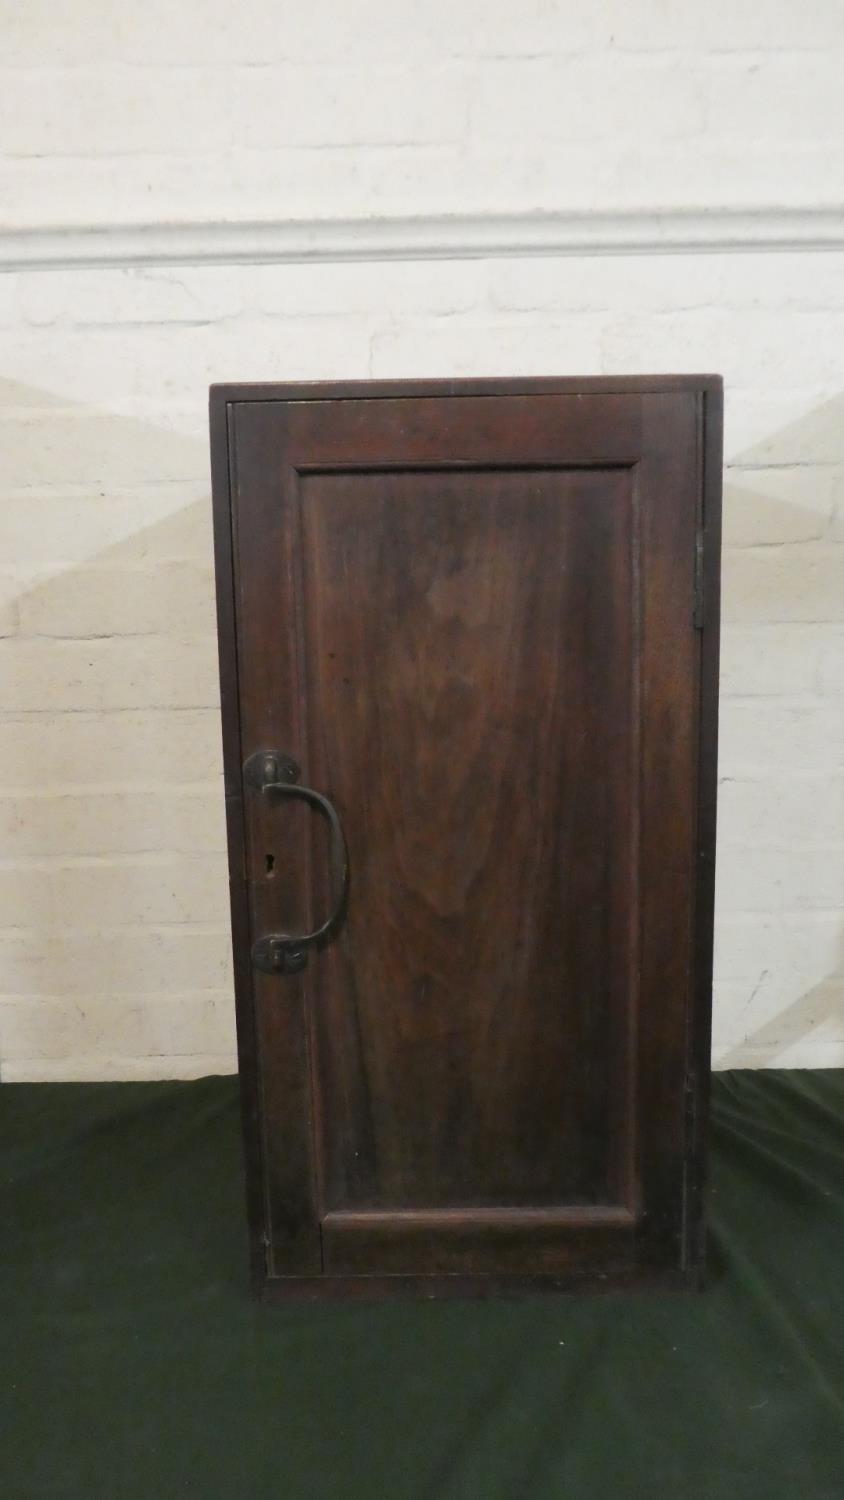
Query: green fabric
134	1365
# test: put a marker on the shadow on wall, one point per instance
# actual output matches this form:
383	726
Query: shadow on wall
782	739
116	943
115	845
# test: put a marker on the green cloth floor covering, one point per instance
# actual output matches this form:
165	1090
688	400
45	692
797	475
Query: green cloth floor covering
134	1365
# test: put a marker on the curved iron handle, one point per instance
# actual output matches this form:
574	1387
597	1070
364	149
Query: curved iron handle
279	952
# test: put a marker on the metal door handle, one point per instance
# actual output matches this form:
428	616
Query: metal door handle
276	774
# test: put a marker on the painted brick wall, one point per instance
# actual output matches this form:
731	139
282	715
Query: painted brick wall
397	106
113	920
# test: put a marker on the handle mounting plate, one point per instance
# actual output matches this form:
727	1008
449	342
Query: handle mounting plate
268	766
277	954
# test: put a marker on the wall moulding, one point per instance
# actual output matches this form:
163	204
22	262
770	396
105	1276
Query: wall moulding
431	237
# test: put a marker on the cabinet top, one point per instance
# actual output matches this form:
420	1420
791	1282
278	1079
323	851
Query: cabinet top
364	390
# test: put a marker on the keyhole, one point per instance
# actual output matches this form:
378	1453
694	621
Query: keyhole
270	864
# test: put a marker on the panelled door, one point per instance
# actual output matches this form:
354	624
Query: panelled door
468	651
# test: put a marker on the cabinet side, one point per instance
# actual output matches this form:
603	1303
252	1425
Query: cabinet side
222	469
700	1039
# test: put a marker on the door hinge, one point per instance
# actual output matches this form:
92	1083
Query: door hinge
698	616
691	1224
266	1250
691	1103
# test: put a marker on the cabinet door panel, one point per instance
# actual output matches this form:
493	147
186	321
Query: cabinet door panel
470	618
470	687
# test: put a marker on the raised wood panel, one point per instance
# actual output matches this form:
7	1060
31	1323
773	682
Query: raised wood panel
469	649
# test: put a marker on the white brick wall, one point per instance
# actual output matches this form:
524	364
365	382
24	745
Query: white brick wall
113	920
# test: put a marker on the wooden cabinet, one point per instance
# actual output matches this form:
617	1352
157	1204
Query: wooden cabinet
468	644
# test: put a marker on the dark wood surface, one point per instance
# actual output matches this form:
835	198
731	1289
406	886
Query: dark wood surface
463	1016
469	611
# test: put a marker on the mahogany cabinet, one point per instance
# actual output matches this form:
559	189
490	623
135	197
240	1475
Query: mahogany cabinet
469	658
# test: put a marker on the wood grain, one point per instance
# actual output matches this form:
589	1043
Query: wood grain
469	680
